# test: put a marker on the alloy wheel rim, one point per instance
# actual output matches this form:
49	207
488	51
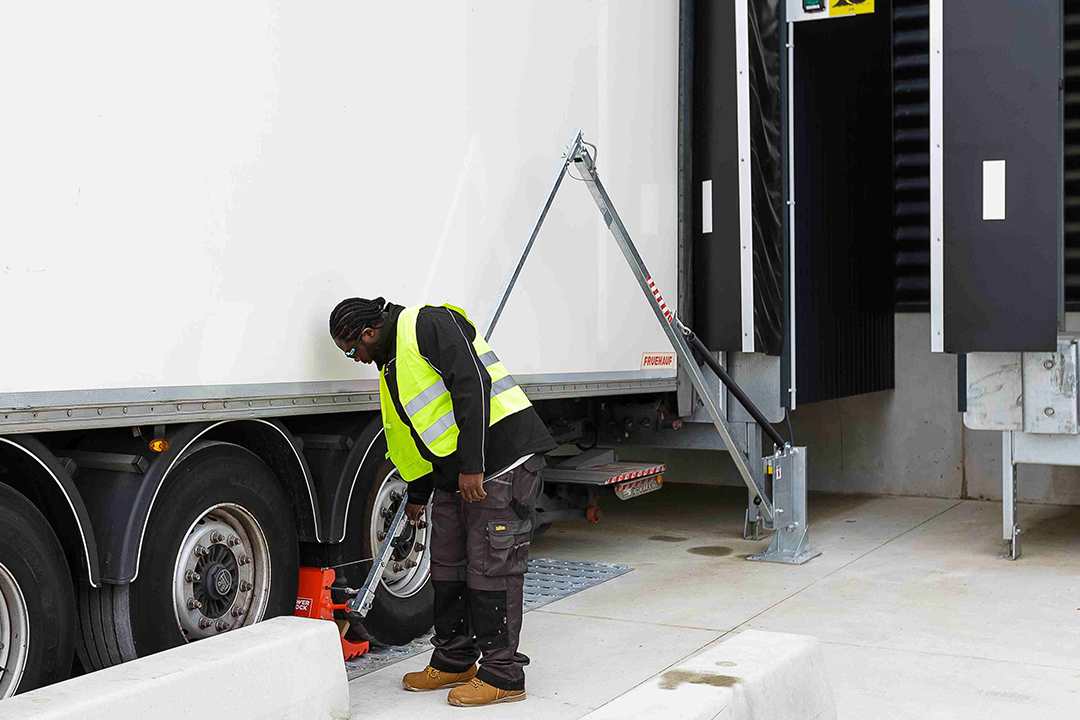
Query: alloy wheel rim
410	564
221	576
14	633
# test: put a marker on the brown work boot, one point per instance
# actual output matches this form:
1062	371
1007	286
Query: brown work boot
431	679
478	692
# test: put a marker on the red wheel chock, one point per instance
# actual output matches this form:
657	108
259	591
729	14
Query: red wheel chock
313	601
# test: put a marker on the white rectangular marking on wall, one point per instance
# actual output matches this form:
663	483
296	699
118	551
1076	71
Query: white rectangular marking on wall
993	189
706	206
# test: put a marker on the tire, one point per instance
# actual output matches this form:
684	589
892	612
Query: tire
404	609
37	600
222	532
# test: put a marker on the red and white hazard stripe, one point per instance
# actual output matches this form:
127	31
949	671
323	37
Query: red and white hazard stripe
659	298
654	470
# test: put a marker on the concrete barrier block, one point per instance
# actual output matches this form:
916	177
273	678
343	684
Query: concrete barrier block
288	667
753	676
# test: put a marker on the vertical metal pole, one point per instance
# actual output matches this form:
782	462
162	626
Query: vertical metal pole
752	524
584	163
523	254
789	52
1010	529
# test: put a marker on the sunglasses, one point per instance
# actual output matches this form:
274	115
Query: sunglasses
352	352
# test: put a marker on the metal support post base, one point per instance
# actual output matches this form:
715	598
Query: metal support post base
791	542
752	520
751	529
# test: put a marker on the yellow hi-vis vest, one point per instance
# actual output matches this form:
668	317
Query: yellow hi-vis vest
426	400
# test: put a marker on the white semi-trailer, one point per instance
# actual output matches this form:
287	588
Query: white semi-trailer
187	192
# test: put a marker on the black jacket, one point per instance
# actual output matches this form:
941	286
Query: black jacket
445	339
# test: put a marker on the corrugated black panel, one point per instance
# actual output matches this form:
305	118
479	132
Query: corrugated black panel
717	291
911	109
845	254
1072	155
767	192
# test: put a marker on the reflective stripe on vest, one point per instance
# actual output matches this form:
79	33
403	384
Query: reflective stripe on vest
422	400
426	400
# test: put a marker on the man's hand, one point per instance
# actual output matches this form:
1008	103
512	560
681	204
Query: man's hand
472	486
414	511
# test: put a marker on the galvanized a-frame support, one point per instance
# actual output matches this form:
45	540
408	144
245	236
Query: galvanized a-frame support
795	522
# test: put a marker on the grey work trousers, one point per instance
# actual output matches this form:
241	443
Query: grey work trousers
479	555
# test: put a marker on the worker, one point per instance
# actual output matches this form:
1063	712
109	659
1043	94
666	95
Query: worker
458	424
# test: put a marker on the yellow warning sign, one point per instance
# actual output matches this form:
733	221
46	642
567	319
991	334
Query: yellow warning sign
842	8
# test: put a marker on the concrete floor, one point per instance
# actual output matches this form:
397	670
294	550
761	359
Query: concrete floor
919	614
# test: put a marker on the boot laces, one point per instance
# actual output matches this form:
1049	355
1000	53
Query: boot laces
477	684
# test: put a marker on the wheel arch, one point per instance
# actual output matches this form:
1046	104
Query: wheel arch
46	484
371	440
267	438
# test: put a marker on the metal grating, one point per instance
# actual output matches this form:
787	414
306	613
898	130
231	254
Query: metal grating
1071	57
547	581
911	150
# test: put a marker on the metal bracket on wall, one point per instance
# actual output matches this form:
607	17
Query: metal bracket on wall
791	542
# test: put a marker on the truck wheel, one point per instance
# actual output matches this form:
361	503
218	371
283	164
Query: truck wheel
37	601
220	552
404	605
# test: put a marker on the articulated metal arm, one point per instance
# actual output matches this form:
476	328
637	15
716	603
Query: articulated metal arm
674	329
677	333
511	277
362	602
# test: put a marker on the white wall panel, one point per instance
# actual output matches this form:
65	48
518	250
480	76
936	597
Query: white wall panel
187	191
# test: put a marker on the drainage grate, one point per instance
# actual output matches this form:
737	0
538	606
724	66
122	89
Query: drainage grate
547	581
551	580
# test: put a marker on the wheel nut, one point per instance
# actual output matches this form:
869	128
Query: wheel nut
216	537
243	560
410	564
222	626
204	623
397	567
418	547
421	524
382	535
237	612
245	586
200	551
233	541
193	604
192	576
385	512
394	497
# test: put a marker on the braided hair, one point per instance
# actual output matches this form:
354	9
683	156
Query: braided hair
352	315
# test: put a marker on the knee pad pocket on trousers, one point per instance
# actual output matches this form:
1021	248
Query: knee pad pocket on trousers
488	611
507	547
451	608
